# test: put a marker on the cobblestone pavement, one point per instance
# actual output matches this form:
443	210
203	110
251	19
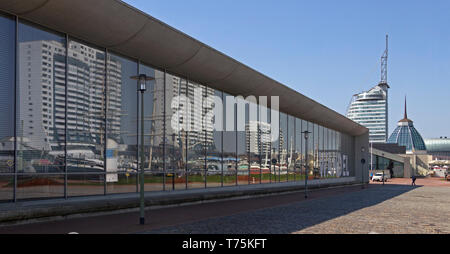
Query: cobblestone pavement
388	209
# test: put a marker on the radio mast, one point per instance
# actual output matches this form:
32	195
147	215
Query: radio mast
384	62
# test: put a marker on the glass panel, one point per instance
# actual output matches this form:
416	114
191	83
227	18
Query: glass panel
253	139
321	153
242	153
153	127
41	101
339	170
291	149
316	170
310	162
275	154
298	153
6	188
196	164
7	100
175	133
333	153
284	140
85	184
229	141
121	145
85	108
215	168
40	186
265	141
304	148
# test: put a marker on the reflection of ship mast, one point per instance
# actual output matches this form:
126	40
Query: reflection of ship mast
290	152
152	127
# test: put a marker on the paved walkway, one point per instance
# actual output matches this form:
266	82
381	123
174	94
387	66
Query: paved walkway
395	207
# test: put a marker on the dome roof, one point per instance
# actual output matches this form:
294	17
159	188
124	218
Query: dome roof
406	135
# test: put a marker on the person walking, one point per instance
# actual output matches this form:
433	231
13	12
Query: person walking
413	180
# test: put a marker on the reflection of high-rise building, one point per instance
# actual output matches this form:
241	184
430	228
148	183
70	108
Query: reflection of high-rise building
370	109
258	137
191	118
43	91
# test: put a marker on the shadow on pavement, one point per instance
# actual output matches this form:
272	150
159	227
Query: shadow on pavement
292	217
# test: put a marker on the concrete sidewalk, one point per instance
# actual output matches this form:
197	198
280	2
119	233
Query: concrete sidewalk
128	222
58	209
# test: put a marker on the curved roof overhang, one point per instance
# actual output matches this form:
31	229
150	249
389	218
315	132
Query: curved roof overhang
115	25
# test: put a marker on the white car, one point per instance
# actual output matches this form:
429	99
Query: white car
379	177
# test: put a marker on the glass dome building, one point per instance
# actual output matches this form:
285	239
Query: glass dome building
406	135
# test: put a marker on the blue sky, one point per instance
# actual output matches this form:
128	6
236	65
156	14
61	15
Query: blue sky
329	49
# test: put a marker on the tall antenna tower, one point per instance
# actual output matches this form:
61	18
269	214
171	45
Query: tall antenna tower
384	62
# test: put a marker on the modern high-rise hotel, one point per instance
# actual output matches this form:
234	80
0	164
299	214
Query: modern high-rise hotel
370	109
70	111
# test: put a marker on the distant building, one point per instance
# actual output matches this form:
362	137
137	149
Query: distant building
370	109
406	135
438	148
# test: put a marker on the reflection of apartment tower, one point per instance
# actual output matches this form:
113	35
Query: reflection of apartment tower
201	100
257	137
157	115
114	97
43	94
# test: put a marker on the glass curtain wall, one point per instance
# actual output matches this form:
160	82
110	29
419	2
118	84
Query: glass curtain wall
265	144
71	128
122	163
176	135
197	136
321	153
327	152
283	148
290	148
7	102
242	120
153	129
40	113
214	164
253	141
298	152
86	104
229	141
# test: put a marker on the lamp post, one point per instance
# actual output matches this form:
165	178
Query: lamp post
363	161
142	81
306	134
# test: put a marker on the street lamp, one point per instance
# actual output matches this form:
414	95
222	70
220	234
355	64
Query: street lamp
142	82
363	161
306	134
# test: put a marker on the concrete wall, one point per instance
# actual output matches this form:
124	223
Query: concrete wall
419	164
362	170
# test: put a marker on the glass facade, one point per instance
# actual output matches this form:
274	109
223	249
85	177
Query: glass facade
71	126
